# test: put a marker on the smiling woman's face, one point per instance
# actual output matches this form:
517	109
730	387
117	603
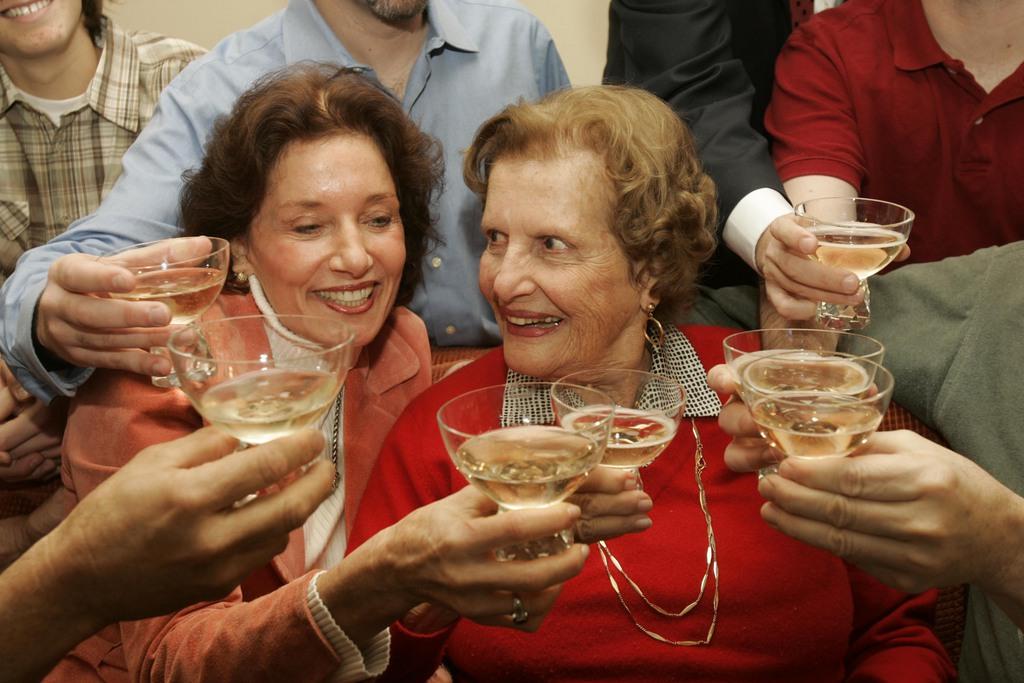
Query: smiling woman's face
557	279
328	239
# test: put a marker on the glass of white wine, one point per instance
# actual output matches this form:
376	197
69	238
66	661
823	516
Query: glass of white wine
816	407
260	377
648	408
508	442
184	273
856	234
741	348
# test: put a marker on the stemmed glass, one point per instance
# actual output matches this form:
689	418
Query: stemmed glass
508	442
184	273
648	408
816	407
262	377
741	348
857	234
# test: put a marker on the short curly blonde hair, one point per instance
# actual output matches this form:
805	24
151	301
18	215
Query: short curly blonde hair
664	210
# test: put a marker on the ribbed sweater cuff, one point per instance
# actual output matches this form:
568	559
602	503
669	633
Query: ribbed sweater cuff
356	664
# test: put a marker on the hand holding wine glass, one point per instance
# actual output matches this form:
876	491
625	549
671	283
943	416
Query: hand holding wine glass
185	274
508	442
856	234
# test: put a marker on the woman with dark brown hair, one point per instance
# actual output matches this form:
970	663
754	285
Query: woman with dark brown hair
323	187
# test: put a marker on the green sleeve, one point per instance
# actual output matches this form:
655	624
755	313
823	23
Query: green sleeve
922	313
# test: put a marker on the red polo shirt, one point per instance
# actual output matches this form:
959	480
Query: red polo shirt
864	93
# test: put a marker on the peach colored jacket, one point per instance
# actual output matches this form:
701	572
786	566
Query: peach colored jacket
263	629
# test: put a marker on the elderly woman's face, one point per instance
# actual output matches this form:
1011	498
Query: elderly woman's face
328	239
558	281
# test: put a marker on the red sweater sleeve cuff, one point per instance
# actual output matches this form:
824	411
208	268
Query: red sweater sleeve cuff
415	656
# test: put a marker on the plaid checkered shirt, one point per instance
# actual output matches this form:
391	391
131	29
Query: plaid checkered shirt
52	175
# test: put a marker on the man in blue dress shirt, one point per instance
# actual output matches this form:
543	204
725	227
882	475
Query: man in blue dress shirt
452	63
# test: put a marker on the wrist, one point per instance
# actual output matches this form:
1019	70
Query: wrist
364	593
49	360
70	589
1003	572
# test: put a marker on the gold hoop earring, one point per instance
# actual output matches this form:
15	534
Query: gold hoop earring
657	340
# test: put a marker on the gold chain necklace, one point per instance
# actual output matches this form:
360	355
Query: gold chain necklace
711	568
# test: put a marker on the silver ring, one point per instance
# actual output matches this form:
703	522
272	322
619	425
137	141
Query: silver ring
519	613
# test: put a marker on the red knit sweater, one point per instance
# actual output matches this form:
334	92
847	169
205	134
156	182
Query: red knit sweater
788	612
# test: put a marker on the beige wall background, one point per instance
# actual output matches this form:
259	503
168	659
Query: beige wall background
579	27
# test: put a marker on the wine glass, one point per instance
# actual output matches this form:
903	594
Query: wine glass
816	407
856	234
741	348
648	408
184	273
262	377
508	442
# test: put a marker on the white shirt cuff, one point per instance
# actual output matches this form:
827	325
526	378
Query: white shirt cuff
750	218
356	664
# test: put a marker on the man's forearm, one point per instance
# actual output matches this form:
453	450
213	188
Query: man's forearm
46	618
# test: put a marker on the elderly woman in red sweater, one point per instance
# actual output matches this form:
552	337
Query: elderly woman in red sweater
597	218
323	187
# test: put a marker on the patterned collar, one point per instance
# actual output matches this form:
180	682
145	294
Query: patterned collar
113	92
676	359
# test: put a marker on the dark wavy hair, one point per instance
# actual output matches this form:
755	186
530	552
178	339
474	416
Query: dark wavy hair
92	16
663	209
303	103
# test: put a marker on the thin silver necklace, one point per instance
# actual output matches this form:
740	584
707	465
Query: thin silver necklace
334	440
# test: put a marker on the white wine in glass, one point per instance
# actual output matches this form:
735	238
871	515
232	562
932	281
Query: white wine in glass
184	273
824	407
507	441
648	407
527	466
857	234
259	378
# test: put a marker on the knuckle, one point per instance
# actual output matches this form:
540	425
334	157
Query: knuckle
839	543
938	480
584	530
839	512
852	480
293	512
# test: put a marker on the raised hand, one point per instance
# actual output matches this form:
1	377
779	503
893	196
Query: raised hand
163	532
908	511
747	452
795	283
611	505
443	554
78	323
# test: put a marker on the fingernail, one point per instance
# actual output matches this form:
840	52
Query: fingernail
808	245
122	282
643	523
574	510
630	483
585	550
645	504
851	283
